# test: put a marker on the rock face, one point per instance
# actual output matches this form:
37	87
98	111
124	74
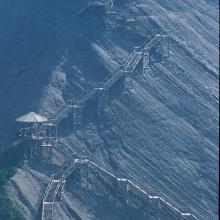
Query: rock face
163	132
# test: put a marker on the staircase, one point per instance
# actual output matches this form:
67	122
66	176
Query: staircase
61	114
125	187
56	184
130	65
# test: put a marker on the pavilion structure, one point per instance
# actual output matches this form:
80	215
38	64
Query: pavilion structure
39	135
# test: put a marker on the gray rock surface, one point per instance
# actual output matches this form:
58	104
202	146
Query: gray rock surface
164	132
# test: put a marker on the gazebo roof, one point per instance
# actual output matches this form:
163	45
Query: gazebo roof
31	117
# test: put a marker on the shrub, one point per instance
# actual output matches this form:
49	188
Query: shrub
9	160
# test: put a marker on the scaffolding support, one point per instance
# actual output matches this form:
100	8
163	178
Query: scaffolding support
34	149
165	47
77	114
59	196
154	207
48	132
102	98
84	175
32	136
130	27
127	81
51	131
46	152
48	211
146	60
122	188
40	138
146	209
110	23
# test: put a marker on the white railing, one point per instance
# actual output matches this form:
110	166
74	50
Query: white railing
68	168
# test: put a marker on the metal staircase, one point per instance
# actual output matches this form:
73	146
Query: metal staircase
125	70
124	187
61	114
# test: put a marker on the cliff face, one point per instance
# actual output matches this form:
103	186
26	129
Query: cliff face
163	132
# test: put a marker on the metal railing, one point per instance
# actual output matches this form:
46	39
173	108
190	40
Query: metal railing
132	184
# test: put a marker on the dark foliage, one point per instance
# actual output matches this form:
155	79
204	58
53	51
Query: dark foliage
8	162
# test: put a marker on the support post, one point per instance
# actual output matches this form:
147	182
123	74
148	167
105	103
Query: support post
102	98
48	211
34	149
155	206
61	189
49	135
52	132
147	211
127	81
46	152
110	22
77	114
33	136
121	191
158	214
165	47
130	27
180	217
84	175
111	2
146	60
122	188
108	28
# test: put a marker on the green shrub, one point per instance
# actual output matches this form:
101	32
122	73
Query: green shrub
8	211
9	161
